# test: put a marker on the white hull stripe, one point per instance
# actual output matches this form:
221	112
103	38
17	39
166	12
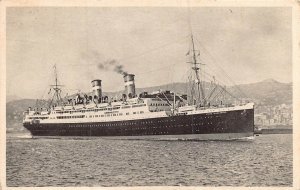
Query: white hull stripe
199	137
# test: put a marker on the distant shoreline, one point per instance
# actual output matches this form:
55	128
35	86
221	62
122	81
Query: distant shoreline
274	131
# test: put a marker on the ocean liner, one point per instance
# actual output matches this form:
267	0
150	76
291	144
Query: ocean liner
163	114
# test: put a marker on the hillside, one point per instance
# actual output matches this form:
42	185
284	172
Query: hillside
15	109
267	92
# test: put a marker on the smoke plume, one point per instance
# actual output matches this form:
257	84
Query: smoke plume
113	65
93	57
119	69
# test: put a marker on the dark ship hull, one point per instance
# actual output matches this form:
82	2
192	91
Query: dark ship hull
217	125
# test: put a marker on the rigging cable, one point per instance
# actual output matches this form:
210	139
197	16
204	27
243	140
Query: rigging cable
220	85
212	58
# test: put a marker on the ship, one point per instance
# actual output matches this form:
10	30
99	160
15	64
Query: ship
163	114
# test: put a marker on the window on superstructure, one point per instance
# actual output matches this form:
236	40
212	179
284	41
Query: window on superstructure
127	113
141	111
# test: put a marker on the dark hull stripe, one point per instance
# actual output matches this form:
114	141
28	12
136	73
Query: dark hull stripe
240	121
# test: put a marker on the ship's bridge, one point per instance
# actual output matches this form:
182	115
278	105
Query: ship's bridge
156	104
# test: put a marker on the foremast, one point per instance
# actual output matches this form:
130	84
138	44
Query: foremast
56	98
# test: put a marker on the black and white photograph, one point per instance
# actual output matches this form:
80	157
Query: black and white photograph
159	96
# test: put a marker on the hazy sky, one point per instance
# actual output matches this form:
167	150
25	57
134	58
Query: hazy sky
249	44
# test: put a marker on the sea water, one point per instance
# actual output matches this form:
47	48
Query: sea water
83	161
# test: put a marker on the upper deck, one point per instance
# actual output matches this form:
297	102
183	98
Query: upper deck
136	109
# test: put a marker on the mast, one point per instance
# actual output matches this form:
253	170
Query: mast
196	67
174	103
56	88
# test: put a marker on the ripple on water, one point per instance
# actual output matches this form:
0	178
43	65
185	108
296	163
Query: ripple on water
265	161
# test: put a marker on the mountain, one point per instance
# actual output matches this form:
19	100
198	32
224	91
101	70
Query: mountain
12	98
14	112
267	92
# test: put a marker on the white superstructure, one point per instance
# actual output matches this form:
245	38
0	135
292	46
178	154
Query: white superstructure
138	108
